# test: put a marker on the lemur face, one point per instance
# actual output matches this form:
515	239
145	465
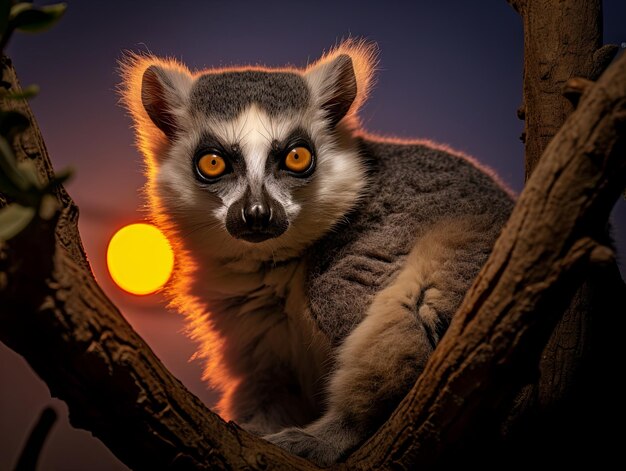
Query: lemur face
248	159
255	151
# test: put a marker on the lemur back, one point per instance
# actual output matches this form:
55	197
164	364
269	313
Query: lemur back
318	266
413	186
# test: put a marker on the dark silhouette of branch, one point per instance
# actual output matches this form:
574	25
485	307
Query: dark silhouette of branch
32	449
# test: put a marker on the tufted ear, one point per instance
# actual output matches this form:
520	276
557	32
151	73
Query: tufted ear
164	95
334	86
339	81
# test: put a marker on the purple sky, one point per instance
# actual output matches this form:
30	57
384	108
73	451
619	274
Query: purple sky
450	71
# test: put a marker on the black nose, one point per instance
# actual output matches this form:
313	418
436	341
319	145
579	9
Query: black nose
257	216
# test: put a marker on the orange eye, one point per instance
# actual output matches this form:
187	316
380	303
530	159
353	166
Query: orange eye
211	165
298	159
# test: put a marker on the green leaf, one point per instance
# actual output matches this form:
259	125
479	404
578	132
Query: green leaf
28	169
25	17
13	219
18	8
62	176
48	207
24	94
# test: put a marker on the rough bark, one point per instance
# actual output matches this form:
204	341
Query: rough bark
562	40
30	145
568	395
536	265
55	315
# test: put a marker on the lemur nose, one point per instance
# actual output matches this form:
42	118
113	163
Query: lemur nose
257	216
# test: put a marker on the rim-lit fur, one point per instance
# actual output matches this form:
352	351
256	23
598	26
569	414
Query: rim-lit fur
210	264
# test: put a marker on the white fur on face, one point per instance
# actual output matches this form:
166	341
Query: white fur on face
254	130
311	209
181	207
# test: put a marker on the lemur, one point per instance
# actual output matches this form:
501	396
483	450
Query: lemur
318	265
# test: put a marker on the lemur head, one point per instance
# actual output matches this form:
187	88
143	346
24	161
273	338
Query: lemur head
250	161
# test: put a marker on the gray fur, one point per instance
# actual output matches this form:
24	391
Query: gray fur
411	187
225	95
384	285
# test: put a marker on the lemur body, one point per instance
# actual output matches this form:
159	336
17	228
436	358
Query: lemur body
318	266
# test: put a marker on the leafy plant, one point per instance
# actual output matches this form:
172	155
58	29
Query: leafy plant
19	181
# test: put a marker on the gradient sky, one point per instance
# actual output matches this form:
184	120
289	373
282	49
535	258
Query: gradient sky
449	71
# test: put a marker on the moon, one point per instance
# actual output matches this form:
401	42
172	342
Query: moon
140	259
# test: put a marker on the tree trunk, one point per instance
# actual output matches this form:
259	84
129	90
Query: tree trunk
562	40
55	315
565	405
521	290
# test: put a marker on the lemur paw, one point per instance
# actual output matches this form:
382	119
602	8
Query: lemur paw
311	447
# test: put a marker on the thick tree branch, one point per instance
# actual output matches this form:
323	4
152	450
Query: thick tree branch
568	395
30	145
534	269
55	315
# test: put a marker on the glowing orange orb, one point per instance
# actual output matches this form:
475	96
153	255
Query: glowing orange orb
140	259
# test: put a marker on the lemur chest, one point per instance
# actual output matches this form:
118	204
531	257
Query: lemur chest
263	316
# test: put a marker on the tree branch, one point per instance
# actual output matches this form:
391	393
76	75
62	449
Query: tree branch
56	316
535	267
32	449
568	395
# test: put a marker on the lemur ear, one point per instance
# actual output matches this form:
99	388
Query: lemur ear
164	94
340	81
334	86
